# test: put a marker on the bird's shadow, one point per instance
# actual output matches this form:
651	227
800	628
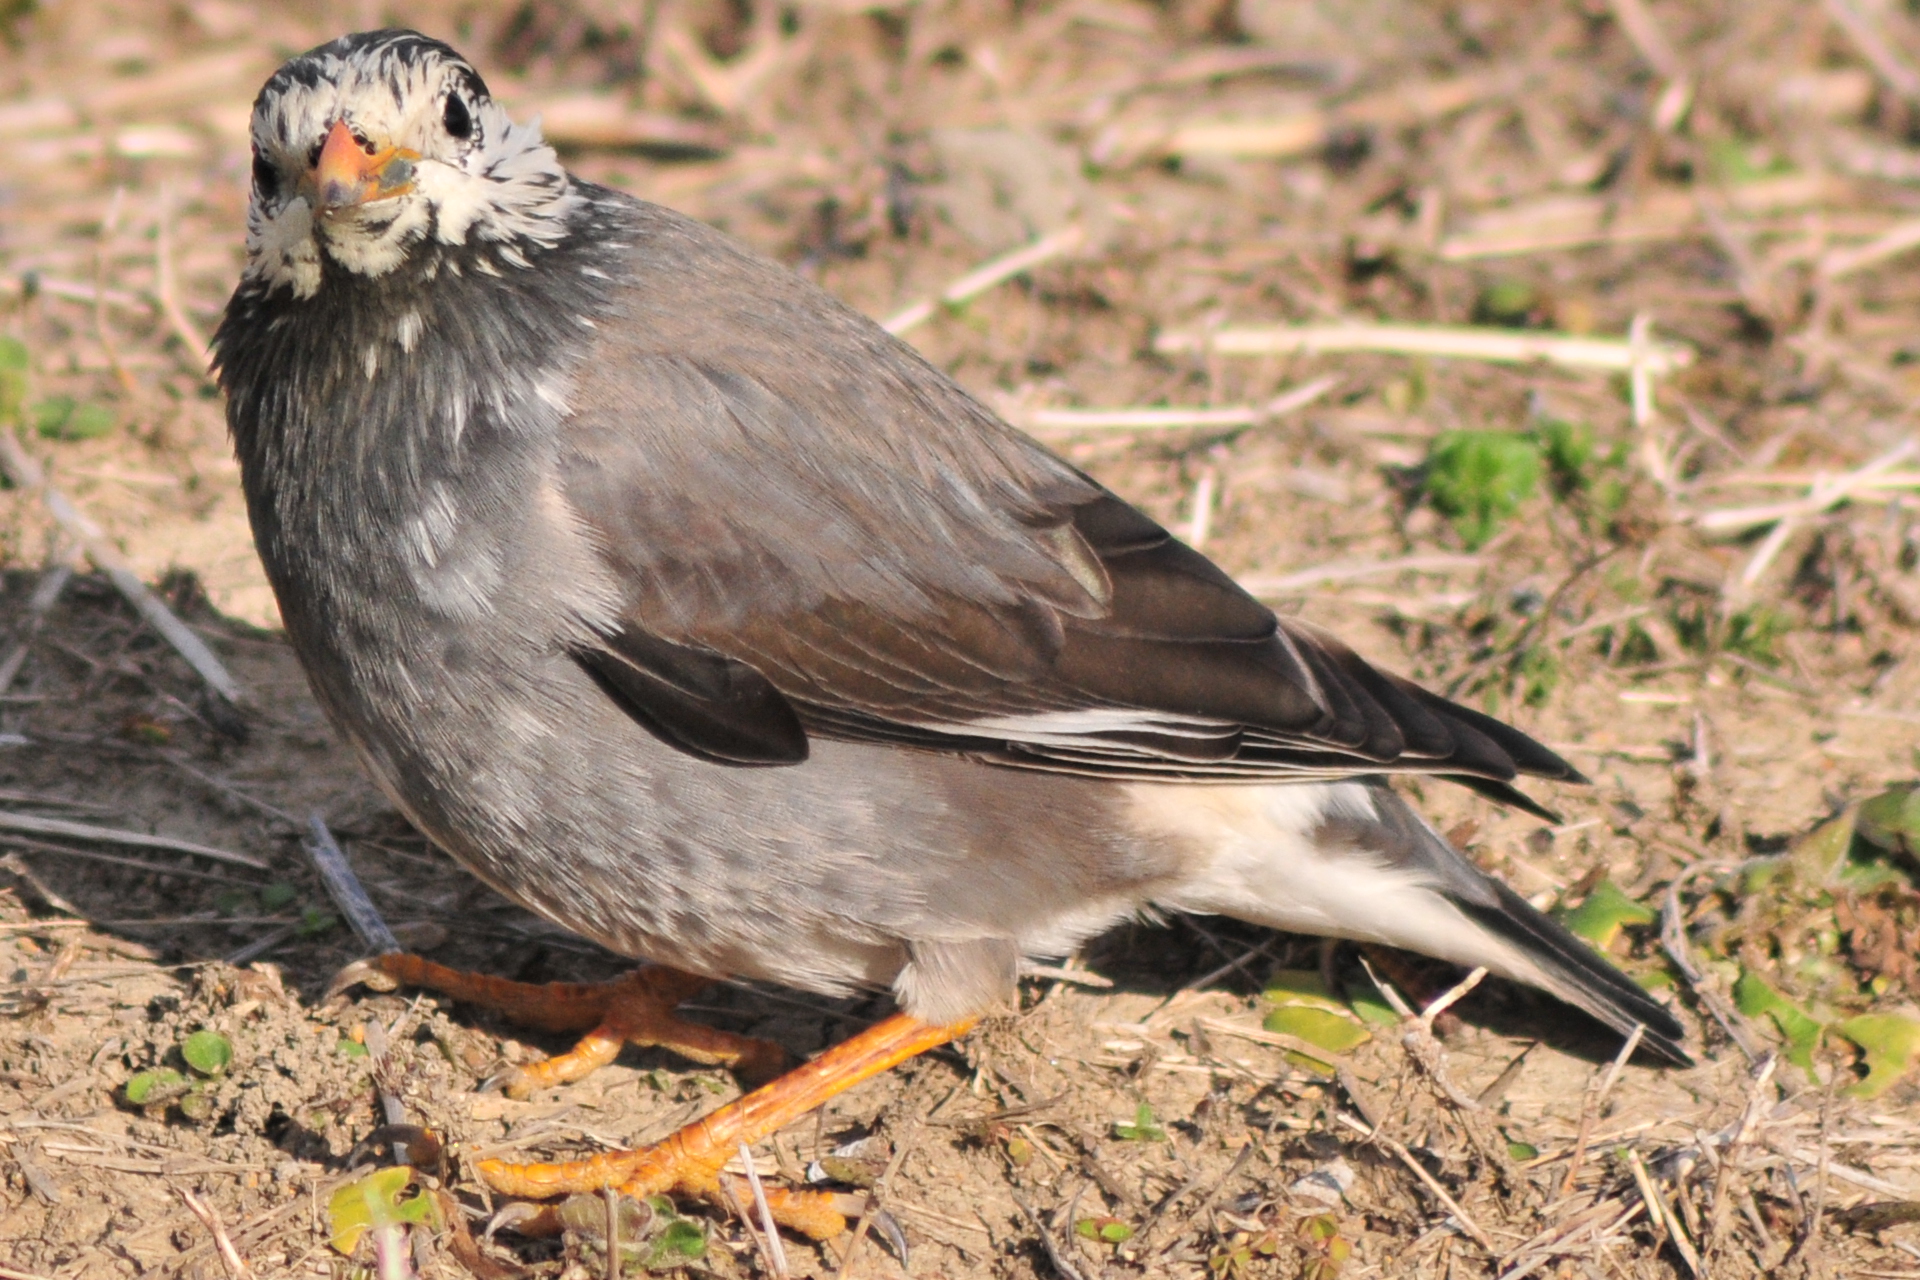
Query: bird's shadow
1217	953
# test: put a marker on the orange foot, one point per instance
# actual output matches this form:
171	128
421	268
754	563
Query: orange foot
635	1009
639	1009
689	1163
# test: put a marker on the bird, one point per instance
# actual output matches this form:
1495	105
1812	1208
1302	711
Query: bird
688	608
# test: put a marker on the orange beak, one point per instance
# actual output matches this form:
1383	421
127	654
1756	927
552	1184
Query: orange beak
346	176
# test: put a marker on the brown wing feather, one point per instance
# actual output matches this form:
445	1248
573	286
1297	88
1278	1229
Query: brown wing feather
807	500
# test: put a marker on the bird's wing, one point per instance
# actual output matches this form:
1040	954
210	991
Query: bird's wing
818	534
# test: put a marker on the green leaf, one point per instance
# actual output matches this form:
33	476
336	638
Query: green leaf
1568	447
1521	1151
374	1201
1890	1045
1604	913
1106	1230
277	895
682	1238
159	1085
1334	1032
1479	479
59	418
207	1052
1754	996
49	417
350	1047
315	921
1307	1011
1891	820
1143	1128
1373	1009
1820	854
1507	302
13	378
1752	633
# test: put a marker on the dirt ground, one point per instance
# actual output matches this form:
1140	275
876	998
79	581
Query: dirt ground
1710	611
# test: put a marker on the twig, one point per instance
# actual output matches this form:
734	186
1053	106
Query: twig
1348	570
1417	1030
1499	346
1558	223
1648	40
1595	1099
30	824
1451	997
611	1198
140	864
1640	367
1673	940
1296	133
1661	1212
229	1256
874	1211
1060	1264
107	226
1838	263
346	890
1200	519
1148	419
1885	60
986	276
1564	1237
167	290
1824	493
79	291
1427	1180
45	592
1743	1133
27	474
775	1250
1059	973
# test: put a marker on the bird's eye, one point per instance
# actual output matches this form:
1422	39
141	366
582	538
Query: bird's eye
458	119
266	179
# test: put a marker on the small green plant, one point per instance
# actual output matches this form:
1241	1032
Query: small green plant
1758	998
1514	304
1304	1009
13	378
652	1235
377	1203
1604	912
207	1054
1328	1249
1143	1128
1105	1230
156	1087
1480	479
1752	633
1536	671
64	418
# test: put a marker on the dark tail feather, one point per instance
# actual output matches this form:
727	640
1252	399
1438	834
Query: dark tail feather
1578	974
1506	794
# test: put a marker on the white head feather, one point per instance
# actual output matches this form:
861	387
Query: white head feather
501	183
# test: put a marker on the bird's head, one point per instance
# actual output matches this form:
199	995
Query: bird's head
377	146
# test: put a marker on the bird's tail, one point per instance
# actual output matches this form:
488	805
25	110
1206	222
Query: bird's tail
1570	969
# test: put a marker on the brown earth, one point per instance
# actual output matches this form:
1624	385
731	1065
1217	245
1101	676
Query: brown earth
888	150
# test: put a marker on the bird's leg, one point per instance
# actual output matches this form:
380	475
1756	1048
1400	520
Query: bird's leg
635	1009
689	1162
